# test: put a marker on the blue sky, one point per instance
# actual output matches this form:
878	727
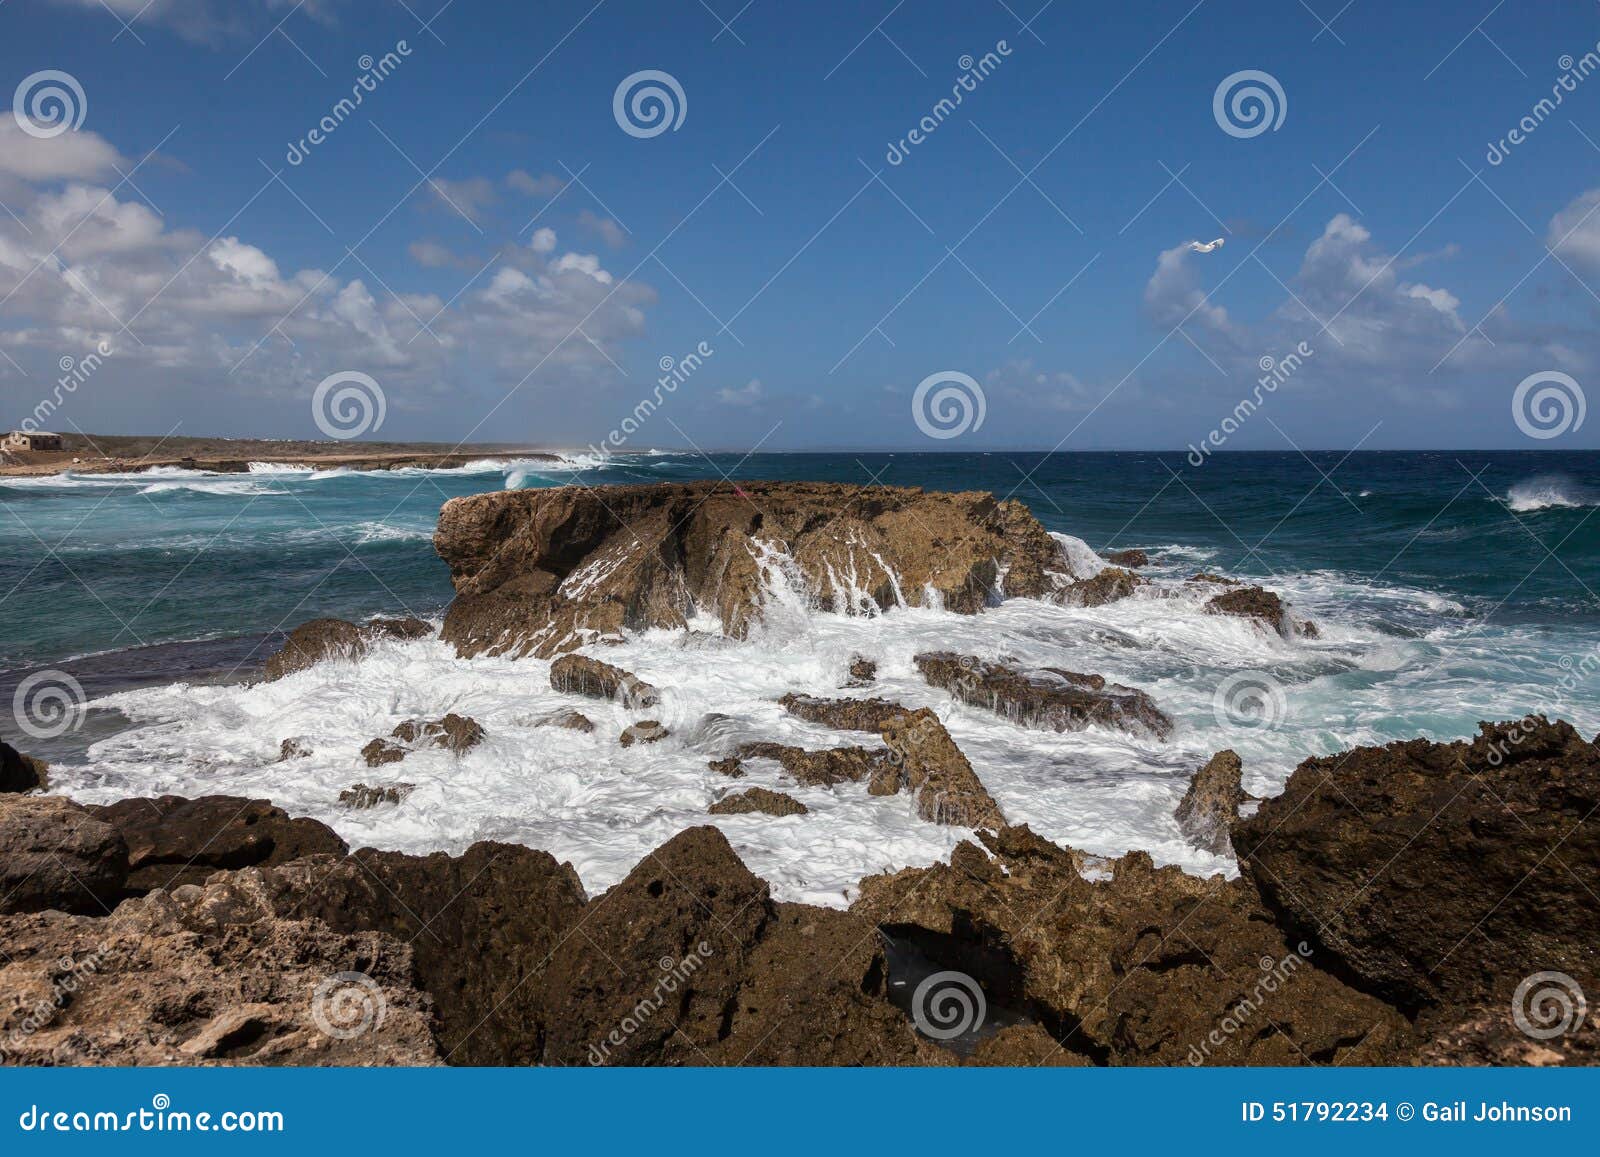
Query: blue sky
484	240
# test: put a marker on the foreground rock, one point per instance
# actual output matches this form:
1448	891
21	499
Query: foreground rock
206	976
843	714
542	572
818	768
1439	874
1048	698
173	841
320	639
1210	807
758	799
933	769
644	731
1149	967
457	734
1108	586
20	772
363	796
1265	607
581	675
54	854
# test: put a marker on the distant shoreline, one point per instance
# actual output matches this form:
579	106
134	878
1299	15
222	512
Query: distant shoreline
120	454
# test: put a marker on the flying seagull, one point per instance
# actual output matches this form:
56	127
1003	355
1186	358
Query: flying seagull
1205	246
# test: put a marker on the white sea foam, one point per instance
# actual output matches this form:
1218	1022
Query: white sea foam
1551	491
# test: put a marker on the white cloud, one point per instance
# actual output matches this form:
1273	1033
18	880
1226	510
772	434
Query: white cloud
585	263
545	185
1173	296
750	394
432	255
470	195
608	230
205	21
1575	231
542	241
71	156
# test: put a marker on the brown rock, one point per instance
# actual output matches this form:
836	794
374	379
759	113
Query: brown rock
546	571
1439	875
1025	1046
55	854
174	841
320	639
948	791
1211	805
1108	586
730	767
1048	698
644	731
1201	576
380	751
571	721
293	749
1133	557
843	714
581	675
456	733
20	772
863	672
1265	606
758	799
363	796
819	768
1491	1036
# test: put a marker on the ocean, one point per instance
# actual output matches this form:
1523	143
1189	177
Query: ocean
1449	587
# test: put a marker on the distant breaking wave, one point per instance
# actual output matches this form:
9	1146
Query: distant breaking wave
1553	491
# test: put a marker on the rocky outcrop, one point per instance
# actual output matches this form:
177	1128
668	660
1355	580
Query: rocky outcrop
543	572
933	769
569	721
379	752
55	854
758	799
293	749
363	796
1108	586
1492	1036
1133	557
644	731
819	768
20	772
581	675
1439	874
843	714
1151	966
1210	807
457	734
320	639
173	841
863	672
1265	607
1048	698
206	976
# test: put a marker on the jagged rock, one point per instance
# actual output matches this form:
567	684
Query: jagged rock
570	720
843	714
819	768
293	749
1108	586
1151	966
455	733
1264	606
20	772
1201	576
689	961
173	841
1025	1046
546	571
206	975
758	799
381	751
1133	557
1439	874
1048	697
730	767
481	926
644	731
581	675
948	791
363	796
312	642
863	672
55	854
1491	1036
1211	805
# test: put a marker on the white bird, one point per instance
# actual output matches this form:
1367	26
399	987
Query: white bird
1206	246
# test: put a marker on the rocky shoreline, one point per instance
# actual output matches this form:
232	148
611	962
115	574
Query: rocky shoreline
1394	904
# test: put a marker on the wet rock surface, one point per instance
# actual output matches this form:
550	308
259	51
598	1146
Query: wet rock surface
1265	607
55	854
363	796
1133	557
581	675
1108	586
543	572
758	799
1210	807
19	772
1048	697
644	731
455	733
819	768
934	770
312	642
843	714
